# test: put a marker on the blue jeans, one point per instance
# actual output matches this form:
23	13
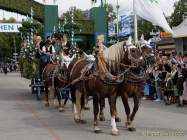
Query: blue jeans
157	88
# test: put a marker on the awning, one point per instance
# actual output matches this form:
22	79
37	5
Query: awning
181	30
166	47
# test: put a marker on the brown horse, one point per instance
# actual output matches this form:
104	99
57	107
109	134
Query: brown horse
89	82
52	76
134	83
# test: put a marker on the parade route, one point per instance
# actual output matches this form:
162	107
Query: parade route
24	118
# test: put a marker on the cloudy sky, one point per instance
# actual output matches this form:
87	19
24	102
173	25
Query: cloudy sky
125	6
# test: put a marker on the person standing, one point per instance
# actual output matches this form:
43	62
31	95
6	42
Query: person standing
157	75
179	86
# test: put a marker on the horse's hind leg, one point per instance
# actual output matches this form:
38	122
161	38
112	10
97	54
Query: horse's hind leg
96	111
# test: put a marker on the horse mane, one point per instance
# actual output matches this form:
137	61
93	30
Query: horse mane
115	54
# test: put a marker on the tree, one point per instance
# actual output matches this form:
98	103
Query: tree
111	15
28	27
144	27
179	12
81	21
94	1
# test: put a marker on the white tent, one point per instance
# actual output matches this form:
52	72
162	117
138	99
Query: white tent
181	30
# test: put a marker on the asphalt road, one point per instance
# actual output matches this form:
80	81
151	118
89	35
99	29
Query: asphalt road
24	118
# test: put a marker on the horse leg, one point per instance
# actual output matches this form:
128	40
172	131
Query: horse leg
135	109
46	95
86	106
96	111
60	107
115	131
77	106
117	118
102	106
66	98
124	98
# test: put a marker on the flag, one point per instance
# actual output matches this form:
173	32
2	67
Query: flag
150	10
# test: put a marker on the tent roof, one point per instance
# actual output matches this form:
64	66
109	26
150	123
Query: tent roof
181	30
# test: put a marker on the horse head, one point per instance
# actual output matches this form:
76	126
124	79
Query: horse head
147	53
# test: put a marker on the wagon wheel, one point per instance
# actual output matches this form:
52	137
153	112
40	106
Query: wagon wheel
32	87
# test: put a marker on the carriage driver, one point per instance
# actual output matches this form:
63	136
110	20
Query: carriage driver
101	64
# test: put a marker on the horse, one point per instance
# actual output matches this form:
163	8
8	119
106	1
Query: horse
134	83
89	82
53	76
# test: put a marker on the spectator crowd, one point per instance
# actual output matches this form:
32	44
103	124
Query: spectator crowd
167	81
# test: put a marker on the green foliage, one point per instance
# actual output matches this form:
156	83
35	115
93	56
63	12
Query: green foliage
179	12
24	7
144	27
111	15
82	23
27	27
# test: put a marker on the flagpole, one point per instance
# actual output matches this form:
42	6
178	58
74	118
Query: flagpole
135	24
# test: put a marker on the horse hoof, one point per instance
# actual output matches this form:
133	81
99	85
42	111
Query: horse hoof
102	118
132	129
117	119
98	131
77	120
86	108
115	133
46	104
61	109
83	122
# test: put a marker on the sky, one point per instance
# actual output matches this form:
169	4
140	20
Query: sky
125	6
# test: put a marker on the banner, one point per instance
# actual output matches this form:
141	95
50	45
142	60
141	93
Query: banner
111	29
150	10
126	25
101	36
10	27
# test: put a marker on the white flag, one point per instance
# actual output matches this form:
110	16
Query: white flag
150	10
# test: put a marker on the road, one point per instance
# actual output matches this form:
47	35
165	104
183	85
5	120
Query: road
24	118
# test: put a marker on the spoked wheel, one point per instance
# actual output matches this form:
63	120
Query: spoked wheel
38	94
32	87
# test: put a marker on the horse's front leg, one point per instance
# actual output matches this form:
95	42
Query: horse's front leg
124	98
135	109
77	106
58	94
96	111
115	131
102	106
117	118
